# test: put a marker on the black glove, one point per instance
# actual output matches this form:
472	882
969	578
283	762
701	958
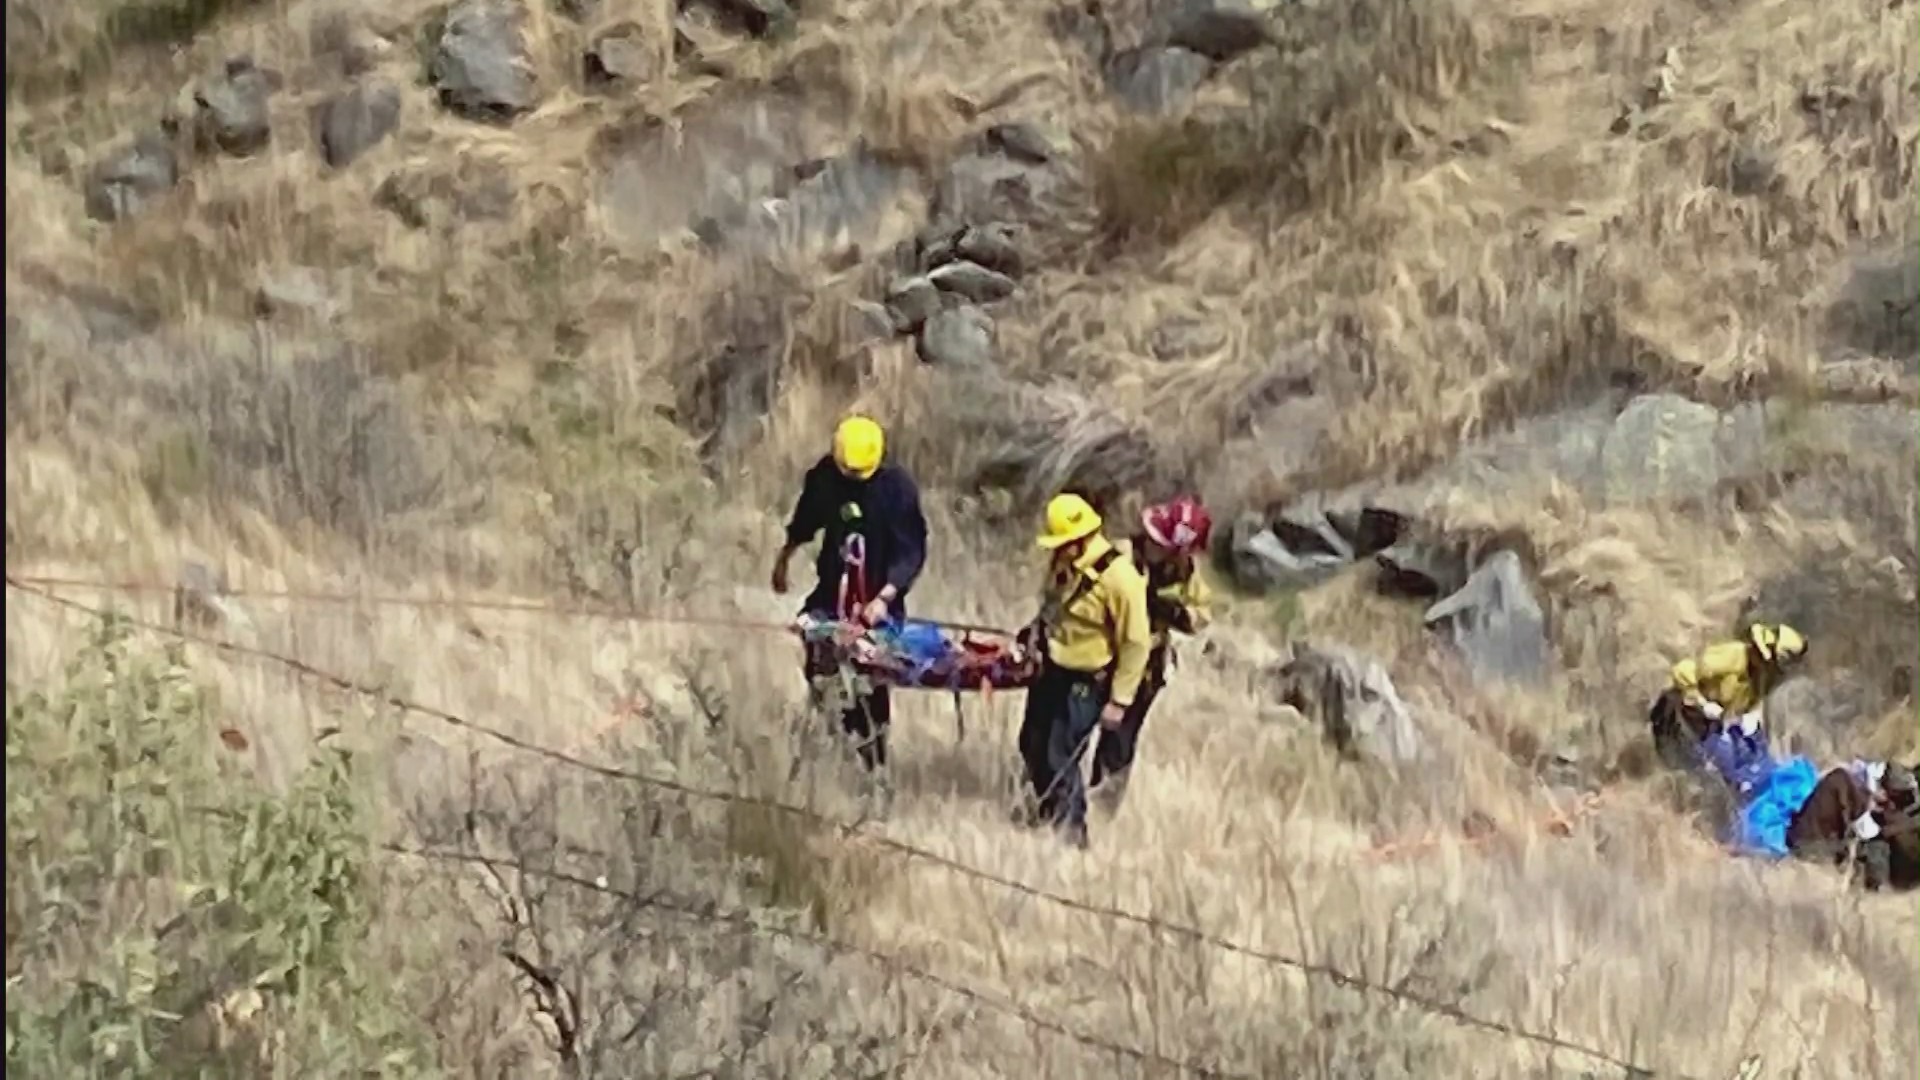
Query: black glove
1031	636
1169	613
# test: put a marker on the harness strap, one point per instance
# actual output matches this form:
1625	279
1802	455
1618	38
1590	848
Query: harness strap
853	579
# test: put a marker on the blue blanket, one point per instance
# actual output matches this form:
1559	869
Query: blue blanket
917	646
1767	808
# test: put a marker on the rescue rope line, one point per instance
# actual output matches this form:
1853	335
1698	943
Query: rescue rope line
570	611
853	832
748	924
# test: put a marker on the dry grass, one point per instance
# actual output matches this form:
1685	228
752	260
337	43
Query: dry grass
1411	228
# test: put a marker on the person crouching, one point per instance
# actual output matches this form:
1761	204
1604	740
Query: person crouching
1096	639
1713	707
1166	549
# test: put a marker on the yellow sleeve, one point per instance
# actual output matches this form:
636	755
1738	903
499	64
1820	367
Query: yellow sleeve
1729	658
1199	600
1126	596
1686	677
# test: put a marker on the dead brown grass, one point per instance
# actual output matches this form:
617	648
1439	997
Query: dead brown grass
1411	228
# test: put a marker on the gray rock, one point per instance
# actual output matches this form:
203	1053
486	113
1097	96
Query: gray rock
1307	543
480	63
973	281
620	55
1661	446
1496	622
132	176
993	246
1021	142
348	125
958	337
912	302
1426	569
1219	30
1353	701
760	18
230	109
1155	79
867	323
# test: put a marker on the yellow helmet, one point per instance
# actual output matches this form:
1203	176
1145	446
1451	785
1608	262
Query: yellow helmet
1780	644
1069	518
858	446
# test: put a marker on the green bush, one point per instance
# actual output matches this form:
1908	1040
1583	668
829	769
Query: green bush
166	916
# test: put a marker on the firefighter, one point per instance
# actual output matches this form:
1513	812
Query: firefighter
1095	639
873	545
1713	706
1166	549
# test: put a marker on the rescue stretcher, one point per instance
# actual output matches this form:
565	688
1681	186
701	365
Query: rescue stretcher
914	654
920	654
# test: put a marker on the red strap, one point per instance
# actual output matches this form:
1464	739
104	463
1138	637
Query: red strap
853	579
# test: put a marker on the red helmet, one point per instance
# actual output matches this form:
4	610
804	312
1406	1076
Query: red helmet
1181	526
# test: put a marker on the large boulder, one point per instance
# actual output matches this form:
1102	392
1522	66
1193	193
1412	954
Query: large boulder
349	124
972	281
1219	30
1496	623
1661	445
230	109
480	65
1353	701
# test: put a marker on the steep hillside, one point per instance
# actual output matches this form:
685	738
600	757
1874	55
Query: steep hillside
547	303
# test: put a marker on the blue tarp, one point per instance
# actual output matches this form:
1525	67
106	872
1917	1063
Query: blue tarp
1760	825
919	646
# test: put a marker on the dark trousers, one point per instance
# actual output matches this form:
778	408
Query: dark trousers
1113	755
865	719
1677	729
1063	708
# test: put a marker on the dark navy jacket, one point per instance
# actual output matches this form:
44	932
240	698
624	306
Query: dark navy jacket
884	508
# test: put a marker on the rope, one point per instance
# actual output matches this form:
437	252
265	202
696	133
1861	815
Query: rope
746	923
576	611
860	831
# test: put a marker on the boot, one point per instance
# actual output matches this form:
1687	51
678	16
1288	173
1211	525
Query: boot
1111	792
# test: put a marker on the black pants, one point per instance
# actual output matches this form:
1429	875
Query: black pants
1113	756
865	719
1063	708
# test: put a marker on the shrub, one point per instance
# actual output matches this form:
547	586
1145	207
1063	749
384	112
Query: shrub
165	917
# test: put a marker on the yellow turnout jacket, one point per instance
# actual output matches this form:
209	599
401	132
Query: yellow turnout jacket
1723	674
1097	616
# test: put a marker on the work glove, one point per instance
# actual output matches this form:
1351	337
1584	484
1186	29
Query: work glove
1865	827
1750	722
1712	710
